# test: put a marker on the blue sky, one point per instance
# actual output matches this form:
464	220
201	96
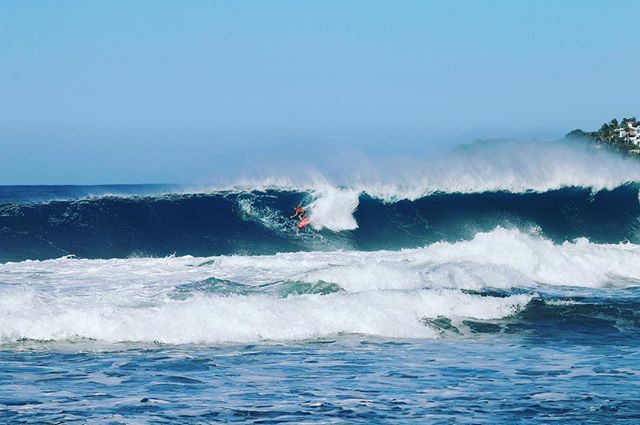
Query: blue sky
169	91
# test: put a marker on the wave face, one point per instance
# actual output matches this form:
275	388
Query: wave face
257	222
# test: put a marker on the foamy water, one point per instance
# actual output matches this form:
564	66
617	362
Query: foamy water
383	293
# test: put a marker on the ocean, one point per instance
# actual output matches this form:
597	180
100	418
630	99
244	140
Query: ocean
467	297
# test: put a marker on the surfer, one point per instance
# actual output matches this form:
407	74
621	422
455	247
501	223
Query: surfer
298	212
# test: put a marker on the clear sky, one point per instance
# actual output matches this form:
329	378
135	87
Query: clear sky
183	91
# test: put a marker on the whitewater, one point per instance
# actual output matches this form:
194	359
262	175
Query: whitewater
298	296
497	282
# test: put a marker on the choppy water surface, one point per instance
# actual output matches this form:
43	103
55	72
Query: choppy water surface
331	337
354	379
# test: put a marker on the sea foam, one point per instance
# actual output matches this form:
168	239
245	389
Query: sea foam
380	293
211	319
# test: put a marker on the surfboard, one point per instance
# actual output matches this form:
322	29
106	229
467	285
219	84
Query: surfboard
303	223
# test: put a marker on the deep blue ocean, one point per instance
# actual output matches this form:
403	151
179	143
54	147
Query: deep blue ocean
454	304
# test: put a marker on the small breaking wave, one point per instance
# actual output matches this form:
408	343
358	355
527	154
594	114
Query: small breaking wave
499	281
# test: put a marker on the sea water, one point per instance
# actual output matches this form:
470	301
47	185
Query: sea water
515	300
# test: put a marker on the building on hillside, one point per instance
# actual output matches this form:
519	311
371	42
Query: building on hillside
630	133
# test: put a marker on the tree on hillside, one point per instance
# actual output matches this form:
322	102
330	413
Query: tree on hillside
608	135
578	134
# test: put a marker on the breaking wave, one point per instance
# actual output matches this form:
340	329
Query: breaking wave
257	222
499	281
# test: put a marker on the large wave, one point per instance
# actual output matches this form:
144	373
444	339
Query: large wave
257	222
564	190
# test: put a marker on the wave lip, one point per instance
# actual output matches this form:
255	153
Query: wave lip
483	166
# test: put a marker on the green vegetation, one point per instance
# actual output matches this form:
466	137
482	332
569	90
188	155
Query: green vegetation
609	135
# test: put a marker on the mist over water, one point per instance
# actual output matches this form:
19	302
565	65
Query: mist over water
482	166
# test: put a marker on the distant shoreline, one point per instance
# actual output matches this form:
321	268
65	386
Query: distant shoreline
622	136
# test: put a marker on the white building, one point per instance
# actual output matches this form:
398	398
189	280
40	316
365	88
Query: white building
629	133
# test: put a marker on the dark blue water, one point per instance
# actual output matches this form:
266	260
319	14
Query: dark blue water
354	380
155	223
23	194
